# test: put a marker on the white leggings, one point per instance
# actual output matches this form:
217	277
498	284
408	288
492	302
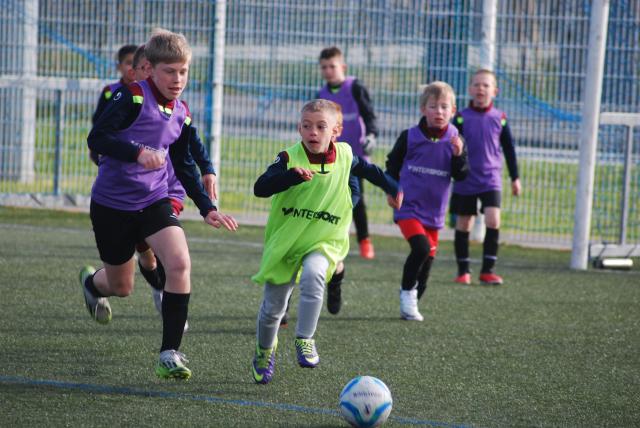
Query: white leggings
274	303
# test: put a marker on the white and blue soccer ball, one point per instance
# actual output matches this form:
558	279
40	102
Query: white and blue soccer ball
365	402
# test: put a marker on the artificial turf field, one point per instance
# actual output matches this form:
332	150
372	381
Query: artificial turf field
551	347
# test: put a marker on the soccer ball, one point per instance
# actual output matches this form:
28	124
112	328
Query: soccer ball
365	402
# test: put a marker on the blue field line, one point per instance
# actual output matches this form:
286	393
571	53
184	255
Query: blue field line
105	389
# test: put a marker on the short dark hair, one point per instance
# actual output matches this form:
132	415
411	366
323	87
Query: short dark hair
137	57
126	50
331	52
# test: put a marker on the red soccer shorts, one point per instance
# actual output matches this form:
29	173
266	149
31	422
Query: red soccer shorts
412	227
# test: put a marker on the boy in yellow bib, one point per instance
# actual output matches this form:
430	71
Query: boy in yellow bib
307	234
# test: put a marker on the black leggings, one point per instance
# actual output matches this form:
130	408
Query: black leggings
418	264
360	216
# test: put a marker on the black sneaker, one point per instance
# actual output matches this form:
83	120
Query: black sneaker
284	322
334	291
334	299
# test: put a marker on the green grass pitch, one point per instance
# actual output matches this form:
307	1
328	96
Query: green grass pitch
551	347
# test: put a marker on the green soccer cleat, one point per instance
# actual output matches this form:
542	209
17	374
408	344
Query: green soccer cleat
98	307
264	363
171	365
307	353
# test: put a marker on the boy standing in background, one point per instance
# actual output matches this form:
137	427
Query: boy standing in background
360	129
488	137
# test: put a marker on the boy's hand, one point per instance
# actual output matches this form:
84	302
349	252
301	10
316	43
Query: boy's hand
217	219
305	174
395	202
151	159
456	142
369	144
516	188
209	182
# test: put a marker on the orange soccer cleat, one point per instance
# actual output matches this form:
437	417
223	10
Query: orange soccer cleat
366	249
465	279
490	278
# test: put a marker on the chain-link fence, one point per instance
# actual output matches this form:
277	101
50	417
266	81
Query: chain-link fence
55	56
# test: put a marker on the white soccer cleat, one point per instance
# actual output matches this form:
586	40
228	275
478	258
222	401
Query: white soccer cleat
409	305
98	307
171	365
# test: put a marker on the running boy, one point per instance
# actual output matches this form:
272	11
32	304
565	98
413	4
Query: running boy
129	198
150	268
127	76
488	137
424	159
360	129
307	233
124	67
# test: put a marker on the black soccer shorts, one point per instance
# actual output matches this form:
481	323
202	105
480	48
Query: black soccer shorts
118	231
468	204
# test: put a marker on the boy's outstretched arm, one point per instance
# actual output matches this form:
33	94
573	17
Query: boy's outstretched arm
186	171
278	177
354	185
201	157
372	173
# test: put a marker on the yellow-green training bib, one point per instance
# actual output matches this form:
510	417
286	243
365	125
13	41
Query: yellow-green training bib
312	216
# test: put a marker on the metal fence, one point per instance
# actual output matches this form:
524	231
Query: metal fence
55	56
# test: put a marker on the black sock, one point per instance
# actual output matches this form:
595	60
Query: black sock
161	274
151	276
461	245
360	220
175	308
490	250
88	283
418	255
336	279
423	276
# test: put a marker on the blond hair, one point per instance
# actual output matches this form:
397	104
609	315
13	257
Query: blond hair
487	72
320	105
437	90
168	47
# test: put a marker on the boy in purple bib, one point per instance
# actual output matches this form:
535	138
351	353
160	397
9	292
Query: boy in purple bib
143	124
124	67
424	159
359	128
488	137
150	268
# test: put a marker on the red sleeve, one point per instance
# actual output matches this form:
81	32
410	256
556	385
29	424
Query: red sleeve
135	89
186	106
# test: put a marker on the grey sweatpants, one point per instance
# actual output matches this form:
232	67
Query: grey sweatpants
274	303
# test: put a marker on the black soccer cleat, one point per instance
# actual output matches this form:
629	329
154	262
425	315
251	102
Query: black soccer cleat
334	298
334	293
